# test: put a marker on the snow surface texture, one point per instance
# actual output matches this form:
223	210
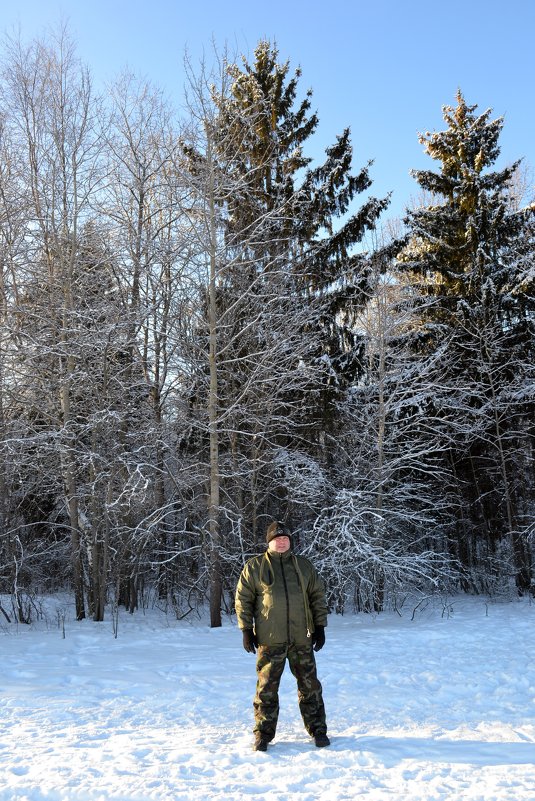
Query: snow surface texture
433	709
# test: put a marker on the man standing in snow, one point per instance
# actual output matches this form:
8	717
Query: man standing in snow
282	611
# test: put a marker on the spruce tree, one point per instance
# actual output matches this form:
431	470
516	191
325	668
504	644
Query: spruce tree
457	242
274	350
476	322
310	237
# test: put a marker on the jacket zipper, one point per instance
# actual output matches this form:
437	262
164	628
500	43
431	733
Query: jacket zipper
287	601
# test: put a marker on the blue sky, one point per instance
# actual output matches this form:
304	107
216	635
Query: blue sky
384	68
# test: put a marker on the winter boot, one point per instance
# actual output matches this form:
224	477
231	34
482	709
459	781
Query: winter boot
260	742
321	739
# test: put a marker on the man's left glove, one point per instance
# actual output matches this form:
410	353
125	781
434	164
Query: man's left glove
318	638
250	641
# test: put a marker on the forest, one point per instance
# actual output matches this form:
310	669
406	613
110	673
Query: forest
204	330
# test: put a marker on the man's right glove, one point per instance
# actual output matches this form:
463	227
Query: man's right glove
249	641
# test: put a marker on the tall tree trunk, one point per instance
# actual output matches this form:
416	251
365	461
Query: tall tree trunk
520	552
69	479
213	501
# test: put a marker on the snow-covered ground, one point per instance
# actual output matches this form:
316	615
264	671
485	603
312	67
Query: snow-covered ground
439	708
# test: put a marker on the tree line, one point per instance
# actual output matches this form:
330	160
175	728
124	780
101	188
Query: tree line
203	330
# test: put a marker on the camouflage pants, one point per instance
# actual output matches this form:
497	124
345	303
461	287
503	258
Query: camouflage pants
269	667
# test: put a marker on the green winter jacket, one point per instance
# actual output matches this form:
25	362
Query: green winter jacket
282	597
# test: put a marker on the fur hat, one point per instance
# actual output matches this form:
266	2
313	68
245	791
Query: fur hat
277	529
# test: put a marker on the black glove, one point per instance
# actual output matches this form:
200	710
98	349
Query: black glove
250	641
318	638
